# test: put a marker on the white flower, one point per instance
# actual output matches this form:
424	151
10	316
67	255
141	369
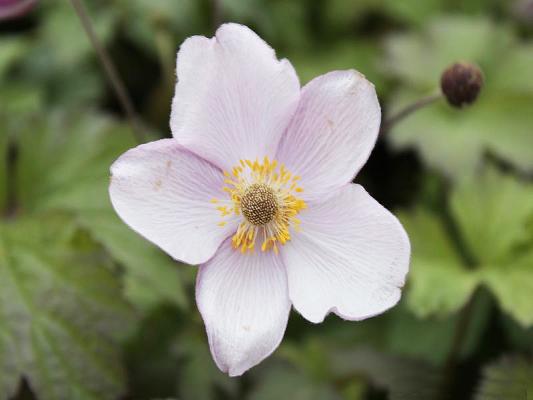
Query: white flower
283	224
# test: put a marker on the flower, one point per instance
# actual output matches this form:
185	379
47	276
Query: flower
15	8
255	187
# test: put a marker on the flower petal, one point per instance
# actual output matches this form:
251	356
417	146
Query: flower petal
351	257
332	133
164	192
245	306
233	98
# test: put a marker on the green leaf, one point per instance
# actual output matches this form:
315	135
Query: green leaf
152	276
63	36
12	50
199	378
513	284
4	143
435	334
439	281
19	100
510	378
451	140
60	315
492	211
281	381
418	58
403	378
64	165
362	56
143	18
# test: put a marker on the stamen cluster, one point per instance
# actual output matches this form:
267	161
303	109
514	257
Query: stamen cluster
265	197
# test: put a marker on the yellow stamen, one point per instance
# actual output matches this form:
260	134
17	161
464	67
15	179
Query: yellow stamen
264	196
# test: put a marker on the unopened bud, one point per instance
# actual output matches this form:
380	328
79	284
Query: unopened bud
461	83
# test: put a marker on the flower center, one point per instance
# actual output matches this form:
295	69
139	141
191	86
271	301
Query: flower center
264	197
259	204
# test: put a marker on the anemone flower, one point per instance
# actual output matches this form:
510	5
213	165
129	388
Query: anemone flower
255	187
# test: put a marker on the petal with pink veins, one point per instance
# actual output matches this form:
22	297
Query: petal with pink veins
351	257
245	306
234	98
164	192
332	133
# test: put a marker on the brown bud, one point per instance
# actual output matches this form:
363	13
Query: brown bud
461	83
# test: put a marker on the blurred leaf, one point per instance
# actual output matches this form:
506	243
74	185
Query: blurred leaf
64	165
418	58
310	356
59	313
513	286
11	50
510	378
280	381
142	18
346	13
435	334
152	276
4	143
513	68
403	378
453	140
413	11
361	56
151	359
62	34
284	24
199	377
492	210
439	282
18	100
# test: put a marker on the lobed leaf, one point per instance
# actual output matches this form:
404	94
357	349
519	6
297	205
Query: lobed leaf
60	316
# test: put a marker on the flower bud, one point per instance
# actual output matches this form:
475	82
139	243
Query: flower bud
15	8
461	83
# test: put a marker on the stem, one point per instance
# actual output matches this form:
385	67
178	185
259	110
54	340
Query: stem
461	330
408	110
110	70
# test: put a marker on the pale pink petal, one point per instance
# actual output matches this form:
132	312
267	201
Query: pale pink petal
351	257
164	192
233	98
244	303
332	133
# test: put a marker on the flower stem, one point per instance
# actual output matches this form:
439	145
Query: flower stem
408	110
461	332
110	70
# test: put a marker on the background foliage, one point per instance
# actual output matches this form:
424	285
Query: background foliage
89	310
